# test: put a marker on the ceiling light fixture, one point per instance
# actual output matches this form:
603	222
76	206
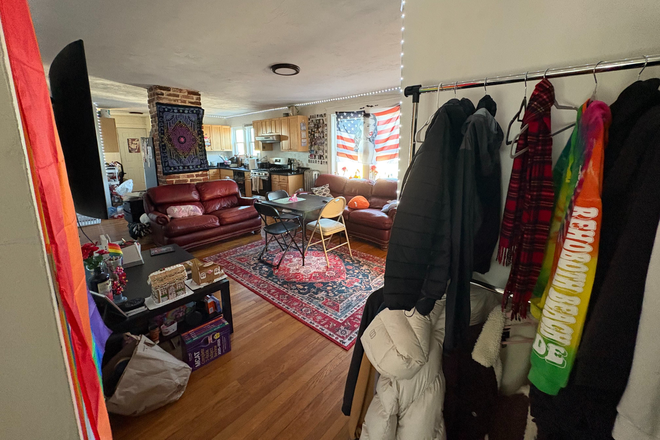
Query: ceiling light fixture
285	69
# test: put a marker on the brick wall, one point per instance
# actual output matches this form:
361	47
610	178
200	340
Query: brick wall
172	95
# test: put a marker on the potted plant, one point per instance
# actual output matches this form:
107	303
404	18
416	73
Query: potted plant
93	260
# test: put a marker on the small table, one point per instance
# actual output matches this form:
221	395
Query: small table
310	204
137	287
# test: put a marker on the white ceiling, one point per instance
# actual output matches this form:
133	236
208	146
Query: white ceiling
223	48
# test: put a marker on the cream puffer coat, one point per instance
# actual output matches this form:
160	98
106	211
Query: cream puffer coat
406	349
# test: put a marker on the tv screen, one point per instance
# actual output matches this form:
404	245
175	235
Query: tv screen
76	125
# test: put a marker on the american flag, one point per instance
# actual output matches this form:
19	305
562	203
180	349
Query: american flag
349	134
386	142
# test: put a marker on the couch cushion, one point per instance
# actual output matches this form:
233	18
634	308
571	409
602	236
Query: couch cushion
165	206
374	218
337	183
217	188
182	226
358	187
236	214
384	190
171	195
220	203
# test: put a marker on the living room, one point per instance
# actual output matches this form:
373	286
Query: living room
308	220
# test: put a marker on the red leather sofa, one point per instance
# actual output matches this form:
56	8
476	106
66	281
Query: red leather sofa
371	224
226	213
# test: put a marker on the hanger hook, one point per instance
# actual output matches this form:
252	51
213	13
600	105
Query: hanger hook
437	98
485	84
595	79
455	87
545	73
646	61
526	84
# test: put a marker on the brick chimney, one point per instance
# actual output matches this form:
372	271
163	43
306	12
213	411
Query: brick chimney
172	95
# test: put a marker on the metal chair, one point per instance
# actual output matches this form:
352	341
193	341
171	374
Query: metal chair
277	229
328	224
281	194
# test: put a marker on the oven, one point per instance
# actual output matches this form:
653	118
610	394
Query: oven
260	182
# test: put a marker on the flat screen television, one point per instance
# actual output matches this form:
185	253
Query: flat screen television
76	124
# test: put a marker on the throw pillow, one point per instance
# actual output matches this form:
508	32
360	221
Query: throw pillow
390	204
358	202
182	211
323	191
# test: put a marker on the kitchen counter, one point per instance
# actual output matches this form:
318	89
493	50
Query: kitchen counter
228	168
286	172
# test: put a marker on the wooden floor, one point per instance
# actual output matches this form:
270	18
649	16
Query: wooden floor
281	380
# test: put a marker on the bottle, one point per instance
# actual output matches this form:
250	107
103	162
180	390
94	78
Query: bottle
100	282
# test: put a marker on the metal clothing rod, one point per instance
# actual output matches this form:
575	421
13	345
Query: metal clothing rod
487	286
552	72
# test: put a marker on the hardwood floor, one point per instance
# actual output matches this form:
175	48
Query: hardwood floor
281	379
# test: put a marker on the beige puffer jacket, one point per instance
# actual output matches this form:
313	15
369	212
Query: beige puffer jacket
406	349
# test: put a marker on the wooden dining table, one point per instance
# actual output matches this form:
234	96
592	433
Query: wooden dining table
307	207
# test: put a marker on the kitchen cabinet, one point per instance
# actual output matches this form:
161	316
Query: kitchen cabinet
292	129
259	129
214	174
217	137
290	184
226	174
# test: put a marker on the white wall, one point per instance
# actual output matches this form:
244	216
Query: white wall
456	40
36	400
381	100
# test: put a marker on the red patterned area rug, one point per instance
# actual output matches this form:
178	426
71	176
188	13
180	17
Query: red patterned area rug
329	300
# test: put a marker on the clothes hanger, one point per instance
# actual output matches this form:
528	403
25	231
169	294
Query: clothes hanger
485	84
518	116
556	105
646	61
428	121
593	95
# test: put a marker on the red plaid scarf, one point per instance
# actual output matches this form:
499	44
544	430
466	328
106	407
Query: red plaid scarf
529	202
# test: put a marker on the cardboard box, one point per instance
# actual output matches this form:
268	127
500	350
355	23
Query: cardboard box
206	343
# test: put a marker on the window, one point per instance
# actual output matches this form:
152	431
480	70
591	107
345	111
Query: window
238	140
242	139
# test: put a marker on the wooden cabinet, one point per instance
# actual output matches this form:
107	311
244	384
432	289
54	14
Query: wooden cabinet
292	130
260	128
214	174
226	174
290	184
109	135
217	137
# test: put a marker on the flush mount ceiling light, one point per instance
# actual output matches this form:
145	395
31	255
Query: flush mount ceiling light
285	69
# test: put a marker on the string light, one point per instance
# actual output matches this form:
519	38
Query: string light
322	101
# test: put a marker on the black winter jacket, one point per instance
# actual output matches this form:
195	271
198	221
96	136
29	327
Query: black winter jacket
419	255
475	214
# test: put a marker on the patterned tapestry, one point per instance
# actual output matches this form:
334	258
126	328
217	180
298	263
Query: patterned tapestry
181	137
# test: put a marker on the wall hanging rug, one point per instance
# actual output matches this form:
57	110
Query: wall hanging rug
329	300
181	137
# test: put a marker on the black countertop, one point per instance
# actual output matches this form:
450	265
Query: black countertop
229	168
286	172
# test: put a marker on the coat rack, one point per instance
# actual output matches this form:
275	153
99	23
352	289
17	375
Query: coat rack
552	72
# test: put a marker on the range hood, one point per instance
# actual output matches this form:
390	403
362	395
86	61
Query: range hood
268	138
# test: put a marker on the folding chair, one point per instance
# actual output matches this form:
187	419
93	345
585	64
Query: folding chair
281	194
328	224
278	229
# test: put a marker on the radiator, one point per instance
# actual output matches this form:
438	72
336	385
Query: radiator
309	178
